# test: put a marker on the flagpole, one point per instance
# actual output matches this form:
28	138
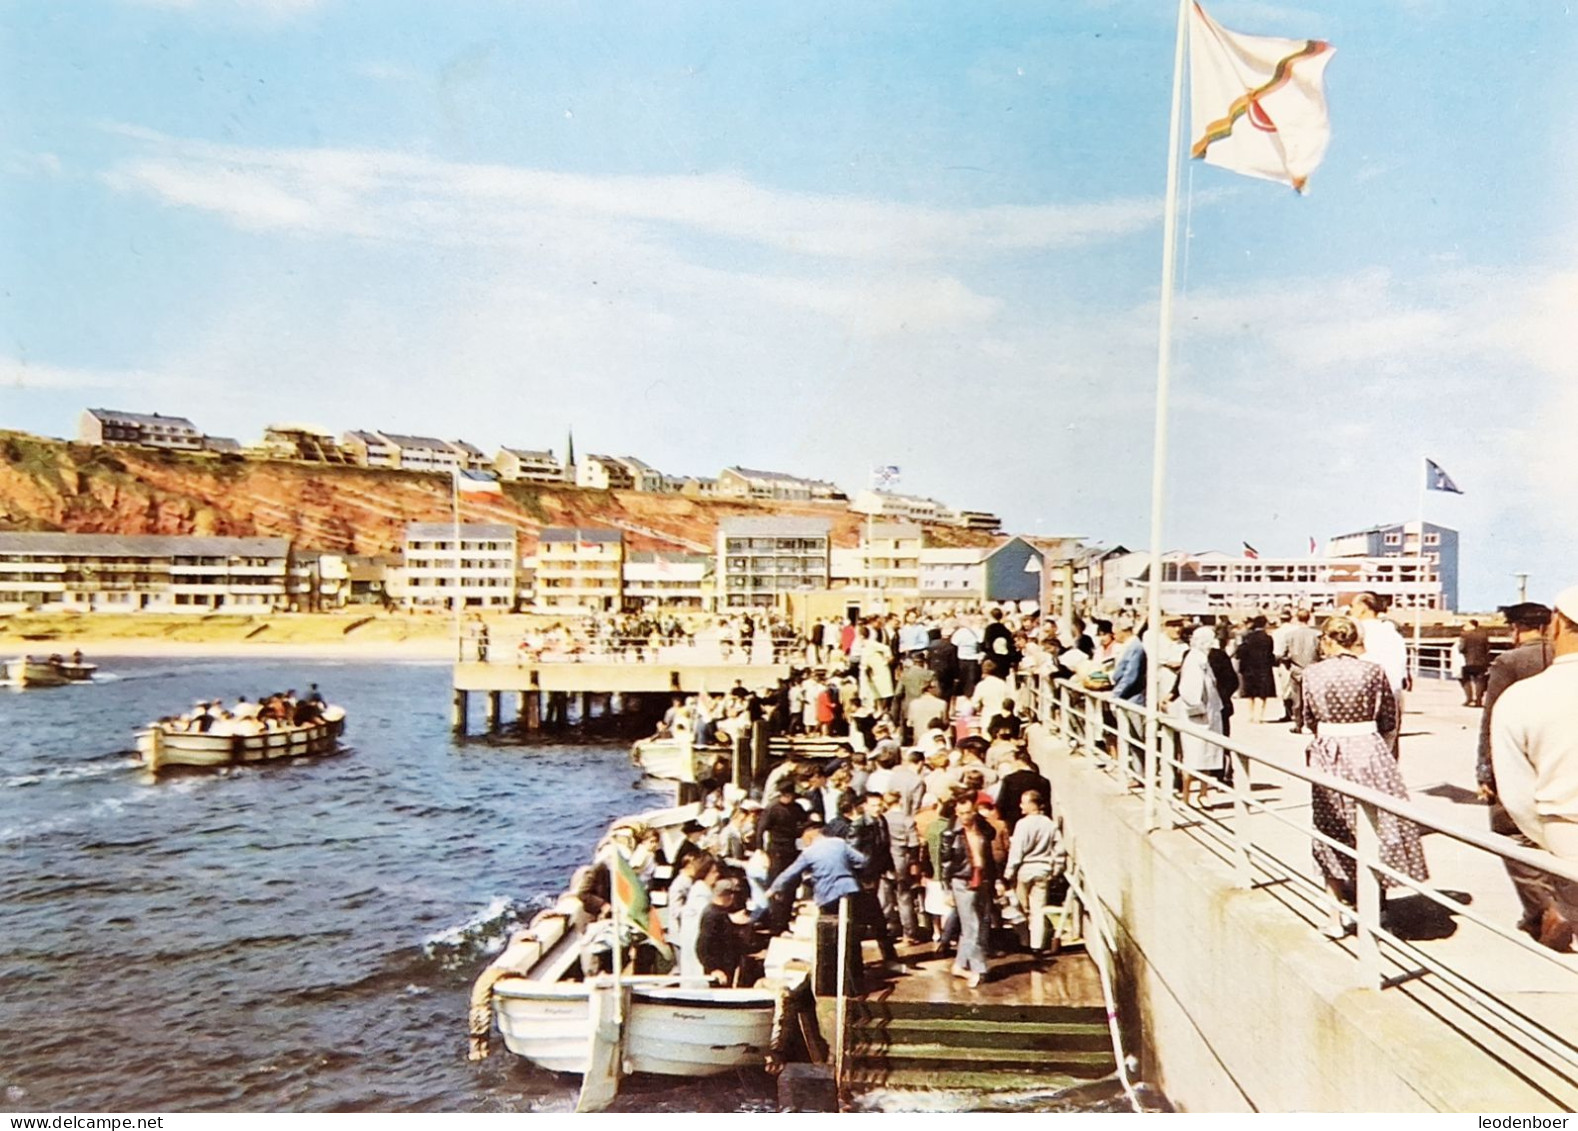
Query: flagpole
1153	632
1424	483
454	492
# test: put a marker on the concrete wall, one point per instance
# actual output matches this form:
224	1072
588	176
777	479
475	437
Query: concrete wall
1238	1004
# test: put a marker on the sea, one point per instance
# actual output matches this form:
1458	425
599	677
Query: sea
296	936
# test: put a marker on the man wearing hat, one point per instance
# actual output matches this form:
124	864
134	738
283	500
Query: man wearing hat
1534	757
1529	656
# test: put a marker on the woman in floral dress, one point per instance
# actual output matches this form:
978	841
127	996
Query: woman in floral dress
1348	706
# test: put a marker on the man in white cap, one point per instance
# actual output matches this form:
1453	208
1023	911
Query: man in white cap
1534	749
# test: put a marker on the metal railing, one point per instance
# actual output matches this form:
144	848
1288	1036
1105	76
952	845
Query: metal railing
530	649
1111	733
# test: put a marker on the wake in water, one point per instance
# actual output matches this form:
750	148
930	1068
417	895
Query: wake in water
482	935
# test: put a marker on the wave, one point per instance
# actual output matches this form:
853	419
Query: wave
98	768
484	933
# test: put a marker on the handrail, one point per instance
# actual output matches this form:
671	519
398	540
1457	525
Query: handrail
531	648
1079	717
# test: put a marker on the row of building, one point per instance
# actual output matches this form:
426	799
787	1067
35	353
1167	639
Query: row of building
767	562
428	454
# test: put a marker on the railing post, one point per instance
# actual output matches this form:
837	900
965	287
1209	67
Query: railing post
1153	739
1243	872
1367	891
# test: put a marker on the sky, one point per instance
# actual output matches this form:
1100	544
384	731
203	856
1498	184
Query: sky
817	237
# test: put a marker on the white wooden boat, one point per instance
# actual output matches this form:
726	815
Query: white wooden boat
604	1027
670	759
30	671
162	745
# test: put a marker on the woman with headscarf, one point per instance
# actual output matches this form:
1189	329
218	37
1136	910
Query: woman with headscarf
1198	703
1349	707
876	669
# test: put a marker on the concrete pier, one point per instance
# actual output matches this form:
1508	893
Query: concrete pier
1242	1005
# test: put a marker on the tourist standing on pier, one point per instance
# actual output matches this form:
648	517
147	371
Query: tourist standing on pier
971	874
1036	857
942	657
1299	649
1383	645
1256	663
1199	703
1348	703
1475	642
1534	749
1529	655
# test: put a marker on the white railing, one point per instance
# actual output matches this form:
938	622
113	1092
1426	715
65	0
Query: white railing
520	649
1111	734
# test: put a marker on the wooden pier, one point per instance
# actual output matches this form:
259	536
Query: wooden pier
542	692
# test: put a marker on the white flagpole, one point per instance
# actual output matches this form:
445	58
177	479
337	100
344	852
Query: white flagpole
1153	632
1419	549
454	490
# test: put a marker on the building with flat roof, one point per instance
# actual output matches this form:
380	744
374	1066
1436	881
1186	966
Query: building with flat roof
761	558
579	568
151	573
664	579
1438	547
1233	585
149	430
481	573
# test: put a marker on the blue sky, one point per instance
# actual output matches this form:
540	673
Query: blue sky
816	237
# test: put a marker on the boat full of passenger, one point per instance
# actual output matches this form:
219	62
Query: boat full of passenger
211	736
55	671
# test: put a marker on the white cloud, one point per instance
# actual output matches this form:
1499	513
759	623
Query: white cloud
25	163
389	195
20	374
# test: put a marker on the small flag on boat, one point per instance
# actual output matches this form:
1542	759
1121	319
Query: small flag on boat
476	483
1438	480
1256	104
1312	547
634	902
1250	551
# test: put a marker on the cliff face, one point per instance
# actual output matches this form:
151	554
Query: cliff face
53	485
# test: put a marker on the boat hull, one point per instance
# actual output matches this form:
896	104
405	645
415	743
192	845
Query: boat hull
669	1031
44	673
161	748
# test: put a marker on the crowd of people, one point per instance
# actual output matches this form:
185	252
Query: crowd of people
279	710
934	824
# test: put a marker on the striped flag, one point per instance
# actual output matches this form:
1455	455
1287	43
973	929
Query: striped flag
476	483
635	905
1250	551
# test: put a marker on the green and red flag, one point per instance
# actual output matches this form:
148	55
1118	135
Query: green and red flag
634	902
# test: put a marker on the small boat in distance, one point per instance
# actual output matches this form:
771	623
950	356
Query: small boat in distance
55	671
166	743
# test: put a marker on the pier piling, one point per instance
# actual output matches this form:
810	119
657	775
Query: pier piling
458	710
492	709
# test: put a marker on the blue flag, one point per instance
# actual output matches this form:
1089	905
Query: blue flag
1438	480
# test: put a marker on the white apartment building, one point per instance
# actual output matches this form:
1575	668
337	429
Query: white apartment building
760	558
953	573
1214	582
579	568
665	580
520	465
482	574
888	504
144	573
149	430
603	473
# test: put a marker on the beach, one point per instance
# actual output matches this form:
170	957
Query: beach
366	636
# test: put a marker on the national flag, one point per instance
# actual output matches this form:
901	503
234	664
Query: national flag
635	905
1312	547
884	477
1256	105
1250	551
476	483
1438	480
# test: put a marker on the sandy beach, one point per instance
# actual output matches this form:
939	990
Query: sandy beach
366	637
